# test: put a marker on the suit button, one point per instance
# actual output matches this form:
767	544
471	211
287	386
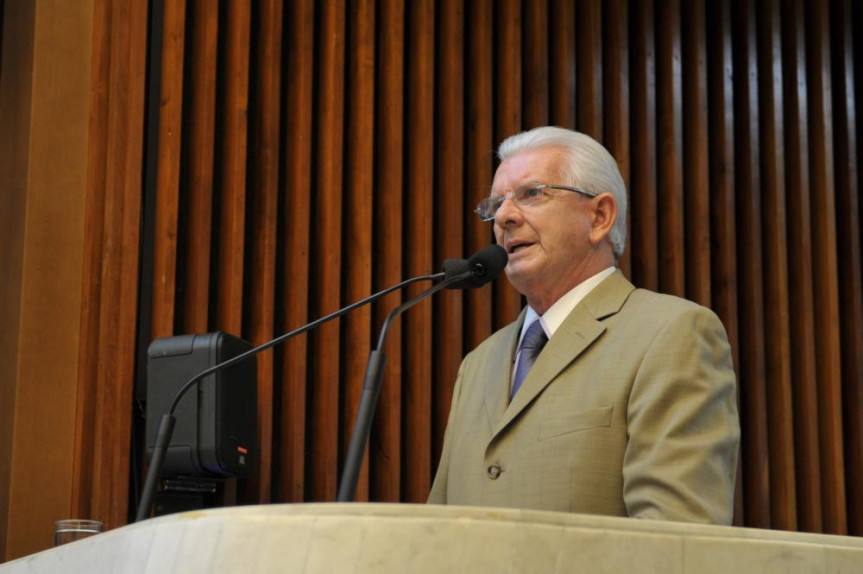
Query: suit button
493	471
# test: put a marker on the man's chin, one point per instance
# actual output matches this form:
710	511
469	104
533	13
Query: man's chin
520	277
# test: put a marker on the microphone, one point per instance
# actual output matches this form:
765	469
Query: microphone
479	269
485	265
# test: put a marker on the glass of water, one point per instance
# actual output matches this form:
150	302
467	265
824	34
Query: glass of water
66	531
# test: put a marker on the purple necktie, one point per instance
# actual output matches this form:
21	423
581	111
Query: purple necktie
531	346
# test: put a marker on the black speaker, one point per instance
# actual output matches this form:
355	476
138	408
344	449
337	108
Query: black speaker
215	433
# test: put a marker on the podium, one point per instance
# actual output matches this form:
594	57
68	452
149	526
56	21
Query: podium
385	538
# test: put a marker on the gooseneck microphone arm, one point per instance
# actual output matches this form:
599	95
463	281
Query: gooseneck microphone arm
166	422
369	398
479	270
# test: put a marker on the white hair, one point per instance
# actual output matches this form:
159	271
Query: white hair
588	166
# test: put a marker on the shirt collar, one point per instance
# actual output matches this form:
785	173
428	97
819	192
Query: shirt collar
560	310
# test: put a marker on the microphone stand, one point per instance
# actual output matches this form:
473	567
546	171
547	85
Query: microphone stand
372	390
166	422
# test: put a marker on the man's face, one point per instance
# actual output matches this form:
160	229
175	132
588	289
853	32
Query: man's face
547	243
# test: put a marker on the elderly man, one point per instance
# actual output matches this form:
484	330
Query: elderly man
601	398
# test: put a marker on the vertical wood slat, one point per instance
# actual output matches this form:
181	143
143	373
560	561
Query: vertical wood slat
781	427
616	97
826	289
644	250
229	311
299	67
800	272
508	121
561	69
327	244
123	329
419	204
233	160
535	81
1	39
723	223
589	67
100	487
94	240
479	159
449	210
669	128
205	27
848	233
264	219
752	370
695	173
359	201
386	439
168	176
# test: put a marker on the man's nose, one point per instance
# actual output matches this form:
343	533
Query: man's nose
508	213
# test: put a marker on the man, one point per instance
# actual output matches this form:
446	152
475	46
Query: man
629	409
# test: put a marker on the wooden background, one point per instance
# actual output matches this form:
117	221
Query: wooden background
308	153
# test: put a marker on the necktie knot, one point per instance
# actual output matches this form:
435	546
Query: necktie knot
534	339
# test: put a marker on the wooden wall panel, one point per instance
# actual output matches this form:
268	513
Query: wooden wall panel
2	5
232	156
359	207
588	34
669	130
479	157
326	270
419	238
561	70
326	150
536	64
643	233
386	440
264	193
845	130
775	273
695	173
751	369
120	265
616	98
199	154
168	170
803	368
723	220
292	415
70	164
448	208
826	290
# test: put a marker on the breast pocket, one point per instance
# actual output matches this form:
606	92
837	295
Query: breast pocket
577	421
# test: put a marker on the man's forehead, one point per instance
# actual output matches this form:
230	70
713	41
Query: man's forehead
531	166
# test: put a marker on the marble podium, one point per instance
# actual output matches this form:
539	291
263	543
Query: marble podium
384	538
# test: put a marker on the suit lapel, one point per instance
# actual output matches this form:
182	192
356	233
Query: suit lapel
500	372
581	328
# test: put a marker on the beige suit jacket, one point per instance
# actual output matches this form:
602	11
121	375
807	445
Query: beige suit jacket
630	410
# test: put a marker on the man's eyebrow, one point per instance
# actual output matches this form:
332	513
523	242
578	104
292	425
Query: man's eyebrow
529	184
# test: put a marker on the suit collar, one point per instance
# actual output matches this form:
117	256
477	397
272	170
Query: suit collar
581	328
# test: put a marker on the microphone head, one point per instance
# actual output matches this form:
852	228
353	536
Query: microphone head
486	264
453	267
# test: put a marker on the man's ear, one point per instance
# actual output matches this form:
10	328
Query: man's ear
604	216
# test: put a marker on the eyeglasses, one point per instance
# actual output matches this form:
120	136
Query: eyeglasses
525	197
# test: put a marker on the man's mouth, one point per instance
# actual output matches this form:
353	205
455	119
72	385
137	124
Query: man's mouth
516	247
